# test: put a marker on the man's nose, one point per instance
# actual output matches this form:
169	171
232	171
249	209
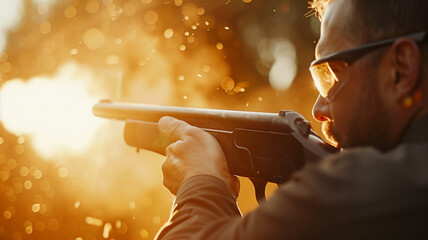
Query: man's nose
321	110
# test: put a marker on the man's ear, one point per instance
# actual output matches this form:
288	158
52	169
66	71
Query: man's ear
406	64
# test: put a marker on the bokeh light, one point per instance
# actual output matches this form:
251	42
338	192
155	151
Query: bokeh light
10	14
65	174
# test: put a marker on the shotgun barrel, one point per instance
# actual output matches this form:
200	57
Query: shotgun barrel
265	147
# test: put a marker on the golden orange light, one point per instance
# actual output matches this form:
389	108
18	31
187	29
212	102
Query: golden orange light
54	112
185	53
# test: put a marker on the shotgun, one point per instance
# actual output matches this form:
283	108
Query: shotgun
264	147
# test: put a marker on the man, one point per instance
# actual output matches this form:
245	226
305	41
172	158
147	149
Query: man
372	75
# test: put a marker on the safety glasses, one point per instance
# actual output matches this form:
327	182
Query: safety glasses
325	70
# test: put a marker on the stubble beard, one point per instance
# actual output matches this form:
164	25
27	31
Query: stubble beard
327	130
367	123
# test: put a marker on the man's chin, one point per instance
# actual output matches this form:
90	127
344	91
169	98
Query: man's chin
332	138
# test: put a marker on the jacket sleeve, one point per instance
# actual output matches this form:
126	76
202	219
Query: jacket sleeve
204	209
362	194
202	201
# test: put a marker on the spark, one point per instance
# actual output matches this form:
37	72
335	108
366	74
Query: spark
94	221
28	229
28	184
200	11
107	230
219	46
168	33
36	207
20	140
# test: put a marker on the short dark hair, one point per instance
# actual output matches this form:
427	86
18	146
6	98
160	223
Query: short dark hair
374	20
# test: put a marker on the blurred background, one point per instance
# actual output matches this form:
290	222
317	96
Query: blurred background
65	174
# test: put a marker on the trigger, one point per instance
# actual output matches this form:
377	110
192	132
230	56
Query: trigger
259	188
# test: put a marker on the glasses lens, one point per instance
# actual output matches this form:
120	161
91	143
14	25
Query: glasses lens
325	75
323	78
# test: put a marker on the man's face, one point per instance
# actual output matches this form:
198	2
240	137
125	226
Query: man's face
367	119
355	116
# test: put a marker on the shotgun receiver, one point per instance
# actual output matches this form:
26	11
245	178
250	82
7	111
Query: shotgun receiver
264	147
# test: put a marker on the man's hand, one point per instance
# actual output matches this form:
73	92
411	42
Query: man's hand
193	152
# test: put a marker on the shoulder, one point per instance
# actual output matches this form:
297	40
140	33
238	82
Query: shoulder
367	174
407	160
357	190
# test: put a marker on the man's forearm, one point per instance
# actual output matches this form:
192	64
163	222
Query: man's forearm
202	203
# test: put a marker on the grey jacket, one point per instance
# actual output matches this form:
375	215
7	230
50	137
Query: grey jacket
357	194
